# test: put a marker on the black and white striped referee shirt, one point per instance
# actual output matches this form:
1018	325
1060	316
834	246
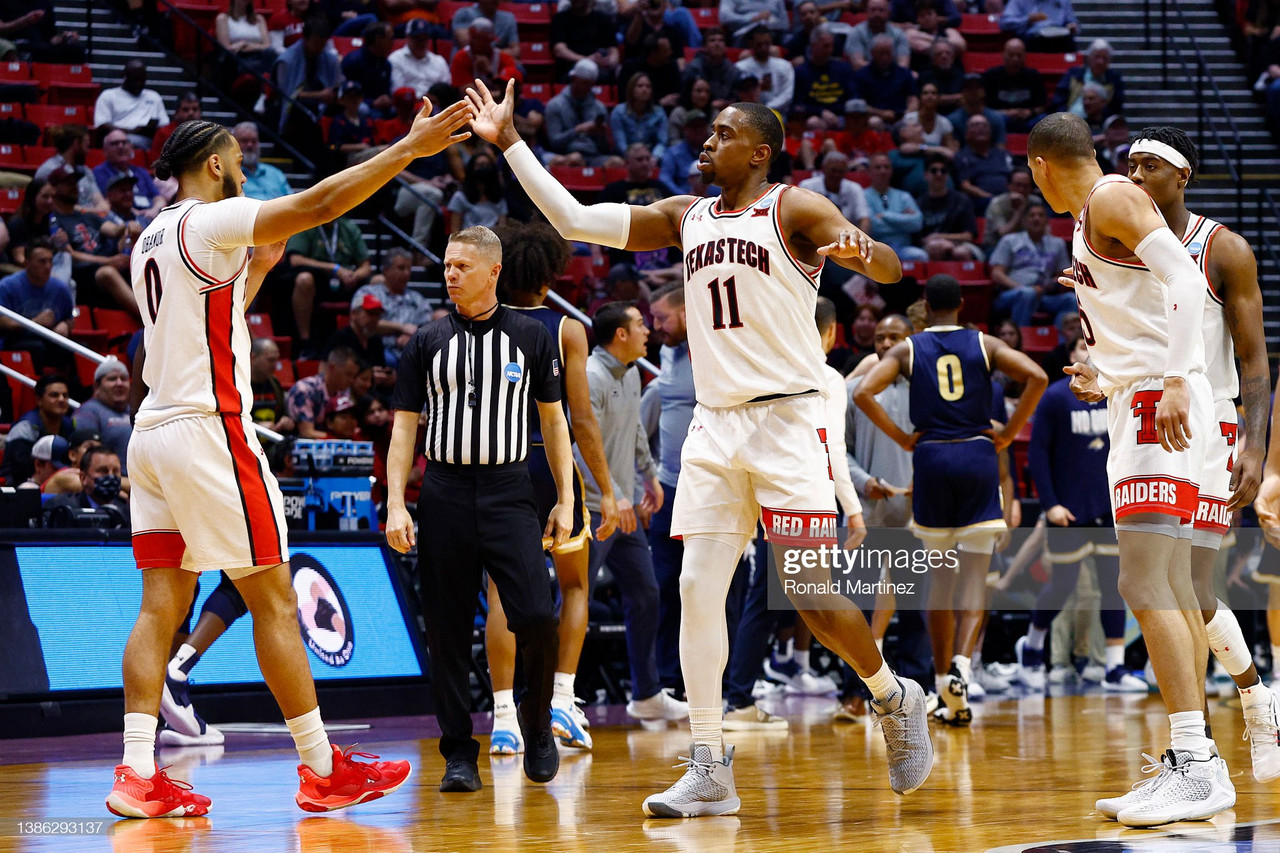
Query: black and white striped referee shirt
477	383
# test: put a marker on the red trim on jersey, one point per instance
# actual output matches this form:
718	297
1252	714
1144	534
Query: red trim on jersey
191	261
715	204
259	516
1208	241
782	238
1167	495
1212	515
1084	228
1191	232
219	304
158	549
798	527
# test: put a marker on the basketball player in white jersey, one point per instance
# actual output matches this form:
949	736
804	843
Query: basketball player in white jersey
757	442
1163	160
1141	303
203	498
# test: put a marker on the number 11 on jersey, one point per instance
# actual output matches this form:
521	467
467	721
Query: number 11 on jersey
717	307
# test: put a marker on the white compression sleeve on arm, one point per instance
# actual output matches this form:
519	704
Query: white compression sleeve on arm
603	224
1164	255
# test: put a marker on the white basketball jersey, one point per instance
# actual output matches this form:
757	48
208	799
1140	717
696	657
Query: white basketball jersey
1122	311
1219	349
190	268
749	304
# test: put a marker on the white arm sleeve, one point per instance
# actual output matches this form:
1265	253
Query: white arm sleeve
1164	255
603	224
837	407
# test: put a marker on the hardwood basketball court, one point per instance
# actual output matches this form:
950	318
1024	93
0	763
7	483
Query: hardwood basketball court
1026	774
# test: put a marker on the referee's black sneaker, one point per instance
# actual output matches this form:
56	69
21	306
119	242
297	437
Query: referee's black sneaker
541	755
460	775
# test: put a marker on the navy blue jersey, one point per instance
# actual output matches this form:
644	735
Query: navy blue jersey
1068	454
950	384
552	319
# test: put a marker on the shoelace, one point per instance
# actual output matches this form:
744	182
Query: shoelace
898	736
370	771
1260	729
1152	765
688	762
163	777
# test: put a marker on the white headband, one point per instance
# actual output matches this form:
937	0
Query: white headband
1165	152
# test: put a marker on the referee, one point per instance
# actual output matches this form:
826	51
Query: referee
473	376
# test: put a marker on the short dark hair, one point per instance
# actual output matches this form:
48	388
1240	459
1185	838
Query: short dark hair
673	293
1176	139
66	135
342	355
1061	136
933	158
609	318
943	293
764	123
191	144
43	383
40	242
824	314
86	461
316	25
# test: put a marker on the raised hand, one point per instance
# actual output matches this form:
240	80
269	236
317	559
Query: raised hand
431	134
492	119
852	243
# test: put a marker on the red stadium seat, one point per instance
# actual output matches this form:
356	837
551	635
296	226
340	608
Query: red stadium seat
976	62
344	44
964	271
260	325
11	111
186	40
51	115
982	31
1016	144
284	372
608	95
977	296
536	53
1039	339
10	200
918	270
1054	63
306	367
24	398
706	17
15	72
11	159
118	323
539	91
66	84
532	15
1062	226
580	178
37	154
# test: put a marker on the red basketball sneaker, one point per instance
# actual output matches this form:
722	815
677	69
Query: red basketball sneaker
352	781
159	796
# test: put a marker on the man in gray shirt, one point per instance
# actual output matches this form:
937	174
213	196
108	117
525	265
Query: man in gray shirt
578	124
621	339
674	389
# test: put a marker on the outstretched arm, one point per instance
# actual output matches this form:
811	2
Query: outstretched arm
818	229
618	226
281	218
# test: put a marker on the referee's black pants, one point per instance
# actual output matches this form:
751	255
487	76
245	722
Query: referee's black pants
471	518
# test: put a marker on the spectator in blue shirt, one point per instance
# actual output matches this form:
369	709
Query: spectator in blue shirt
888	88
973	103
1069	94
740	16
1047	26
904	12
983	169
1025	267
823	83
639	119
895	216
369	66
261	180
679	157
34	293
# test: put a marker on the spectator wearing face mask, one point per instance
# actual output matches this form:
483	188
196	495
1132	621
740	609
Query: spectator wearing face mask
100	489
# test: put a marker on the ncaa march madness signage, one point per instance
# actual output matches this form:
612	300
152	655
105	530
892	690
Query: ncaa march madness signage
323	614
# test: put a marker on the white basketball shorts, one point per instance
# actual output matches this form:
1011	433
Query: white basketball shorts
203	498
1144	477
764	461
1212	516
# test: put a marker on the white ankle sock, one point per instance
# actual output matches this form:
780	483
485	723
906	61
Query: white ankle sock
562	694
140	744
1187	733
504	704
312	742
784	651
1275	660
965	666
1258	694
1115	657
883	683
1035	638
707	727
802	658
880	645
183	661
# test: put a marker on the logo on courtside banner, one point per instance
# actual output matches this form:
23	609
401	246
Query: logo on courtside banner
512	371
323	614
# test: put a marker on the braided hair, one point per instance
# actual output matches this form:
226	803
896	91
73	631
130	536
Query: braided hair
534	256
190	144
1175	139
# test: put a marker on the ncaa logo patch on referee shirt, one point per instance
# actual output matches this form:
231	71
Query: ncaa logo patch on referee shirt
512	371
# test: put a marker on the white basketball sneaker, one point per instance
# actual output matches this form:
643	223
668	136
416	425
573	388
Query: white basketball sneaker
1193	789
954	692
1112	806
906	736
706	788
1262	730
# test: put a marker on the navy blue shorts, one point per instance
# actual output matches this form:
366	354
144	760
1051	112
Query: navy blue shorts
955	484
